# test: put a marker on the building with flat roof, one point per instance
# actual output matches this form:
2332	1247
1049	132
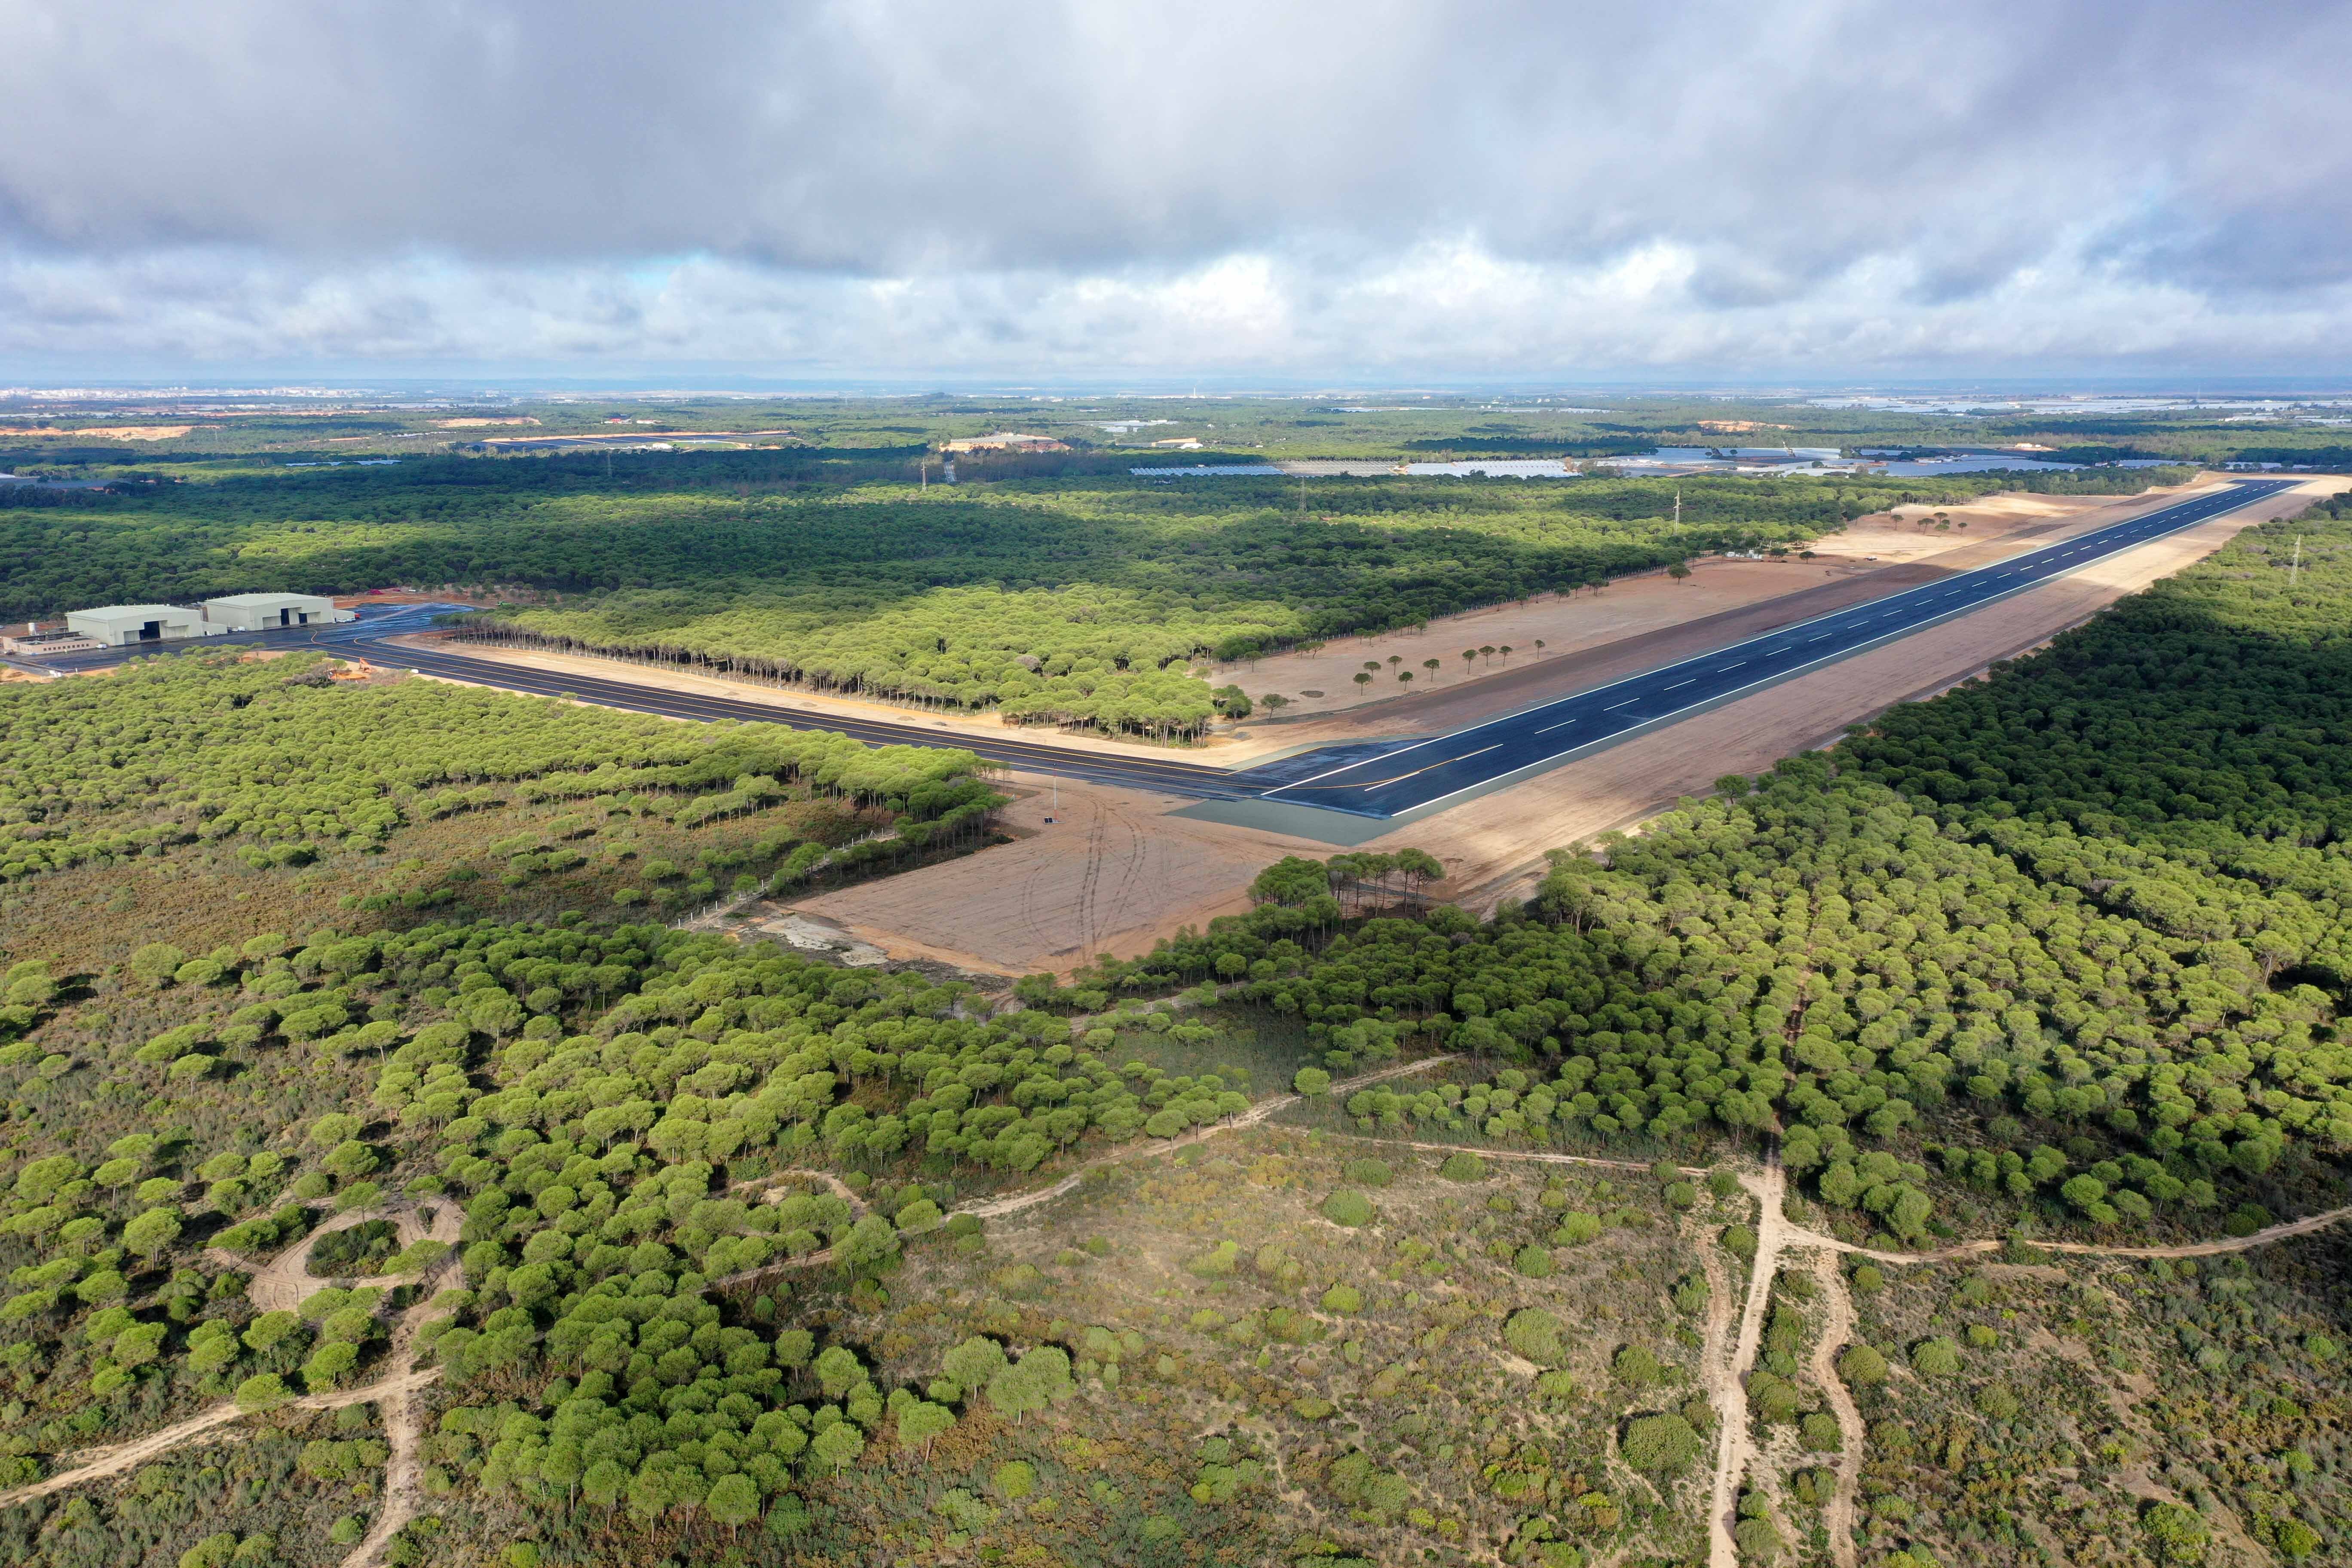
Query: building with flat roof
30	641
123	625
265	612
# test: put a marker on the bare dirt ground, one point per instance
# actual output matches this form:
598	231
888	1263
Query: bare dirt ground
285	1282
411	596
106	432
1113	873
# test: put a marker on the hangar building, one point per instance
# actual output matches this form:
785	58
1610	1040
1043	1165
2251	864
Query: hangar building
262	612
123	625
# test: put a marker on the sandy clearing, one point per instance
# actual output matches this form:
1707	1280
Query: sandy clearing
1724	1394
404	1472
2263	1237
1113	873
109	432
114	1461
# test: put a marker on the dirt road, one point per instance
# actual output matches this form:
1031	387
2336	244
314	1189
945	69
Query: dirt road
997	1208
1143	1149
283	1284
2263	1237
1733	1450
104	1462
1837	1328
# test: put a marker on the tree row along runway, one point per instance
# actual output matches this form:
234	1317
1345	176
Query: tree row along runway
1168	777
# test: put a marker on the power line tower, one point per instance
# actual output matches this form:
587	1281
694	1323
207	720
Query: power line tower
2295	571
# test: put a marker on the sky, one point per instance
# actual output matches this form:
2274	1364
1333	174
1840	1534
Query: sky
1363	191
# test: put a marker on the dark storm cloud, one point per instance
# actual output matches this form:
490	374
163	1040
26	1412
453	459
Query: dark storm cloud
365	168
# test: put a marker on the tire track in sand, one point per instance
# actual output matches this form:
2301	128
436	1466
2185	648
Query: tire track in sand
1837	1328
1735	1452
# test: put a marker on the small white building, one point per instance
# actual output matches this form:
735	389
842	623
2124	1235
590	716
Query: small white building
124	625
263	611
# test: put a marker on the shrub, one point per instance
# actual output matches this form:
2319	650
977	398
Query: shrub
1577	1228
1740	1242
1535	1334
1862	1366
1821	1433
1014	1480
1463	1166
1659	1443
1368	1172
1771	1396
1343	1299
1935	1358
1758	1539
1534	1261
2176	1533
1348	1208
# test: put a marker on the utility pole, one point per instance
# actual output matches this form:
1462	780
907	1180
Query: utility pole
1302	498
1678	509
2295	573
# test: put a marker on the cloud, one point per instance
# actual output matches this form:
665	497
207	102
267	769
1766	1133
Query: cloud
1085	188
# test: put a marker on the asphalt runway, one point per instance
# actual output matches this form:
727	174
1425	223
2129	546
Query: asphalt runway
1418	775
1365	781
